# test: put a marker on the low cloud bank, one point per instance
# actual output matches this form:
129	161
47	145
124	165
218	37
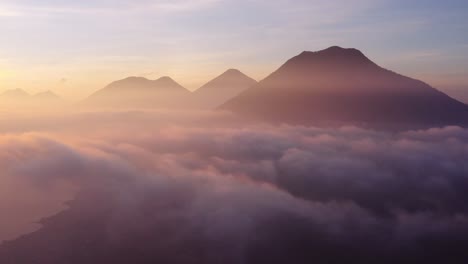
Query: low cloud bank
207	192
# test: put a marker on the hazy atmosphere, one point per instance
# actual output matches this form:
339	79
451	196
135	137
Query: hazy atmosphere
77	47
243	132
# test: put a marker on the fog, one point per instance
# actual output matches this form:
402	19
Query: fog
201	187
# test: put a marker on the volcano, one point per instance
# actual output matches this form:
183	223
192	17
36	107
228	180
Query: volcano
221	89
139	92
343	86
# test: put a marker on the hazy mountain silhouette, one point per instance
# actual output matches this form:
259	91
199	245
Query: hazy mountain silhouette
139	92
47	95
20	94
344	86
221	89
15	94
20	99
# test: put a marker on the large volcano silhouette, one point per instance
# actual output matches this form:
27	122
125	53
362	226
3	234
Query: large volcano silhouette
139	92
340	85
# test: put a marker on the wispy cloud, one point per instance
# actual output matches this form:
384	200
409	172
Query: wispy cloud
27	8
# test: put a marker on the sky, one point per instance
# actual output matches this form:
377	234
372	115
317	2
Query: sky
75	47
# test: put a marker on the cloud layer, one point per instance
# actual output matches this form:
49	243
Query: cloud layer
207	192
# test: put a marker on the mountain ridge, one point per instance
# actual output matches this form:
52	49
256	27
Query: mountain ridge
15	93
222	88
344	86
138	92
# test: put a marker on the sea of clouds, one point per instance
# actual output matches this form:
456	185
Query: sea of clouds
143	187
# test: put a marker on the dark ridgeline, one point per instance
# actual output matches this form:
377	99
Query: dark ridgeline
221	89
136	92
342	86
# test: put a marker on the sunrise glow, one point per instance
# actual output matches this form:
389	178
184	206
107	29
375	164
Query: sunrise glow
233	131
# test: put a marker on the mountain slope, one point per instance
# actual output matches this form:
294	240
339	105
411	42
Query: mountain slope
339	85
221	89
19	99
458	92
14	94
47	95
139	92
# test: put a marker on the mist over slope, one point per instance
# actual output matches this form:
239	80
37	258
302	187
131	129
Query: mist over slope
185	187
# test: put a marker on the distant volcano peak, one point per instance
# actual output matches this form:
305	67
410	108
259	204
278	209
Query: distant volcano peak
46	94
165	79
222	88
232	74
15	93
168	82
139	92
233	71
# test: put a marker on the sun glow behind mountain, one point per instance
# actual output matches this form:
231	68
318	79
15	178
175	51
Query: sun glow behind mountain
237	132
